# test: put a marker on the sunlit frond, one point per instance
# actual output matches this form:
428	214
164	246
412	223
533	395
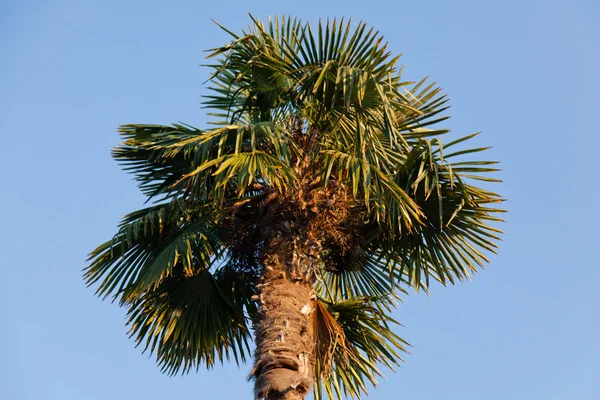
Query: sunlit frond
147	152
150	245
459	216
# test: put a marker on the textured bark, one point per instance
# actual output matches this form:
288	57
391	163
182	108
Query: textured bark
284	357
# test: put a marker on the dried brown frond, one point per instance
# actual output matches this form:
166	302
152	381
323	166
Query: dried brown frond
330	339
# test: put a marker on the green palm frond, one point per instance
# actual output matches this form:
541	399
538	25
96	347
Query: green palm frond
190	320
150	245
457	233
287	66
153	154
359	273
387	201
207	165
353	336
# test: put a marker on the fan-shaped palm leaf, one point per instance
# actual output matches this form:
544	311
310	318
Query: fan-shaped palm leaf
189	320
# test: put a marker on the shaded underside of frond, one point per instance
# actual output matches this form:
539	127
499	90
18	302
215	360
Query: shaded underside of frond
188	321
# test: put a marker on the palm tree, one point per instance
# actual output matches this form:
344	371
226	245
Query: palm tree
320	194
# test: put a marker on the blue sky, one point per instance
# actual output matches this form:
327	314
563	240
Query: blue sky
523	72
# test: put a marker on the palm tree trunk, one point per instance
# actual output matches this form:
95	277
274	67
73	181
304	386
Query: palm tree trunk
284	357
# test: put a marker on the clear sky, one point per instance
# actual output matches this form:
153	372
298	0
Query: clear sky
523	72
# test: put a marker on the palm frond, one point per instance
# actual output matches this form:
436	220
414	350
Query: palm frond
458	229
152	244
388	201
188	321
361	272
286	66
148	152
206	165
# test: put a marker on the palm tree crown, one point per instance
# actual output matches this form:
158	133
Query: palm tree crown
316	144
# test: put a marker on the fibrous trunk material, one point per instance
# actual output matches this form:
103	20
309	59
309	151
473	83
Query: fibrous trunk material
284	357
